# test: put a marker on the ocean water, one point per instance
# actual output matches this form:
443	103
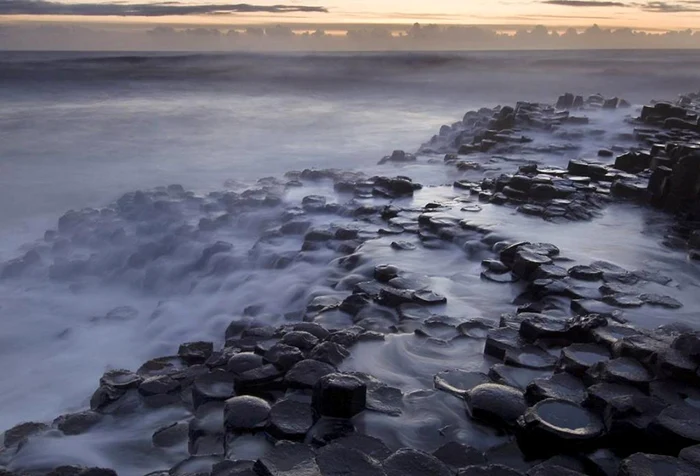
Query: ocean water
79	130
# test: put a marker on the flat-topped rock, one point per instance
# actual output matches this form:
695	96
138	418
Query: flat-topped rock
561	386
408	462
500	404
458	382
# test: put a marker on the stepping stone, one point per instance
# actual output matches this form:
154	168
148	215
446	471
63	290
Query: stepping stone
456	455
290	420
500	404
246	414
339	395
458	382
409	462
561	386
578	358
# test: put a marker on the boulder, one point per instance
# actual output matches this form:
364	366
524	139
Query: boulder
306	373
495	403
409	462
290	420
339	395
336	459
561	386
246	414
456	455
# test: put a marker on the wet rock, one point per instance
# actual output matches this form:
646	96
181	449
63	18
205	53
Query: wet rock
20	433
688	344
500	340
495	403
409	462
675	428
206	431
526	263
607	336
258	379
541	326
328	429
300	339
530	357
403	245
372	447
601	395
195	352
284	356
458	382
651	465
691	455
306	373
550	469
456	455
77	423
602	462
233	468
120	379
672	392
243	362
195	465
550	271
338	460
171	435
639	346
384	399
428	298
290	420
578	358
158	385
330	353
560	386
246	414
554	427
661	301
217	385
673	364
339	395
287	459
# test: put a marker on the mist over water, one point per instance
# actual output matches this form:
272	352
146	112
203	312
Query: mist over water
79	130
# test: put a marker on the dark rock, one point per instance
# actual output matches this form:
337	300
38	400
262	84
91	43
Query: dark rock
428	298
526	263
561	386
554	427
267	376
243	362
300	339
372	447
661	301
290	420
409	462
233	468
171	435
306	373
639	346
217	385
195	465
578	358
330	353
500	340
19	433
456	455
601	462
284	356
403	245
328	429
338	460
384	399
120	379
607	336
195	352
159	385
287	459
530	357
672	392
549	469
206	431
601	395
458	382
488	470
339	395
585	273
496	403
651	465
675	428
691	455
246	413
77	423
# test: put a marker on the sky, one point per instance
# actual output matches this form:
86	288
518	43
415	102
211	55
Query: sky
639	14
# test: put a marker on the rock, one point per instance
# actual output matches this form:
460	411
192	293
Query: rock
496	403
290	420
243	362
120	379
428	298
548	469
171	435
688	344
306	373
299	339
338	460
206	430
195	352
585	273
403	245
675	393
488	470
372	447
195	465
217	385
601	395
661	301
675	428
159	385
602	462
458	382
287	459
20	433
500	340
257	379
639	346
330	353
339	395
578	358
607	336
651	465
561	386
673	364
540	326
530	357
77	423
409	462
526	263
233	468
328	429
456	455
246	414
283	356
554	427
691	455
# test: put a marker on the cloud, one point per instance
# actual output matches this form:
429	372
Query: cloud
584	3
676	7
45	7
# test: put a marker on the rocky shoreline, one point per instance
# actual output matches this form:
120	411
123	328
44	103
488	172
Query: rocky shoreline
571	387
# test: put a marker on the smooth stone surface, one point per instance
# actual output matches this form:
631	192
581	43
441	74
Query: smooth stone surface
578	358
530	357
372	447
675	428
456	455
640	464
338	460
623	370
496	403
217	385
339	395
408	462
306	373
489	470
290	420
560	386
288	459
246	413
